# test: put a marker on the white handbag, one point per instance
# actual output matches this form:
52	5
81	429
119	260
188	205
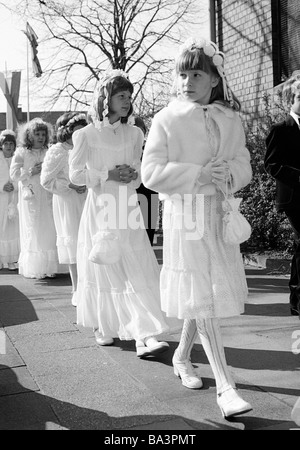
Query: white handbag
236	228
106	248
27	192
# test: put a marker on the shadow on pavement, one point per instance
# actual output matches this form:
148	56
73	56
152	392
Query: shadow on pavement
269	310
254	359
15	307
61	279
30	410
268	285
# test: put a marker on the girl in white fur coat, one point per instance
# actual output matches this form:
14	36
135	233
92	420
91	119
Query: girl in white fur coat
9	216
194	146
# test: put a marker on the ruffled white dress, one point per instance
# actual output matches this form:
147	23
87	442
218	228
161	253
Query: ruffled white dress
9	217
38	257
121	299
67	203
202	276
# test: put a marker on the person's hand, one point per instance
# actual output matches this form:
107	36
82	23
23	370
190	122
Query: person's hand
220	171
128	174
8	187
36	169
123	174
81	189
78	189
206	174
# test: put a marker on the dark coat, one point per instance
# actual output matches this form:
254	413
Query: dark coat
282	161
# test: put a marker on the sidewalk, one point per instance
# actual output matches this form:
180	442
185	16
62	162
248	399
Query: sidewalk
54	376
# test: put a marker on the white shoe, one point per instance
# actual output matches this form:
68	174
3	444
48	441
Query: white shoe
11	266
150	347
103	340
186	371
74	299
232	404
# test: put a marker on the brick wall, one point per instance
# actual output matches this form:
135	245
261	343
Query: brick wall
247	42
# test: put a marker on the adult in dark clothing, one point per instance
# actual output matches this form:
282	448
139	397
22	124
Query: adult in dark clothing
282	161
148	199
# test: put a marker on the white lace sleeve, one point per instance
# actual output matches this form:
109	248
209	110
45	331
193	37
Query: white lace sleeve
78	171
53	175
3	172
17	171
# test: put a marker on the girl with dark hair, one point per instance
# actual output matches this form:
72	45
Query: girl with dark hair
118	275
68	198
9	217
38	257
195	151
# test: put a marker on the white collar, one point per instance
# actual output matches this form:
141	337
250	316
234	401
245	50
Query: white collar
182	106
114	125
295	117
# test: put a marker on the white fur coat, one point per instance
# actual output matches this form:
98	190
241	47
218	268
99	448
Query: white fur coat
178	147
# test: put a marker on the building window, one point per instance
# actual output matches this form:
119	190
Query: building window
286	38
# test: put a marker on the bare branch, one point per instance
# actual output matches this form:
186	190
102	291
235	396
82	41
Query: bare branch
81	38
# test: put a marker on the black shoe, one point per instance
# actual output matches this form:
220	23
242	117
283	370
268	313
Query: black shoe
294	311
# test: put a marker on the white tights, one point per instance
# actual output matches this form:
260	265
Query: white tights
211	339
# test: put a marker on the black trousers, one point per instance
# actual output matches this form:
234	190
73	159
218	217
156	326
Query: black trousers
294	283
145	195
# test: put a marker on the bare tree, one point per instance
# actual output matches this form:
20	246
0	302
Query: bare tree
82	38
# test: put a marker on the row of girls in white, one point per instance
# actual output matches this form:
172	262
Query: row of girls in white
49	205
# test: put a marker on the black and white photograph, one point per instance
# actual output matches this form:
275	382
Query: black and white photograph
149	218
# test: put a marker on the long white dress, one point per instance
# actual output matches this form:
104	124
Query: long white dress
202	276
38	257
67	203
121	299
9	217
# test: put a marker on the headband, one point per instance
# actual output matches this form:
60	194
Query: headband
71	123
296	86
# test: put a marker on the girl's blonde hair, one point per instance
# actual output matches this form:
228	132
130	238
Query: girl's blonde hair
194	58
27	130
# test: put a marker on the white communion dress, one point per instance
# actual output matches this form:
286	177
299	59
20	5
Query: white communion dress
9	217
67	203
38	257
121	299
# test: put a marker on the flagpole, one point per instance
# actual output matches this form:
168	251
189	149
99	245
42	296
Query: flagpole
28	110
